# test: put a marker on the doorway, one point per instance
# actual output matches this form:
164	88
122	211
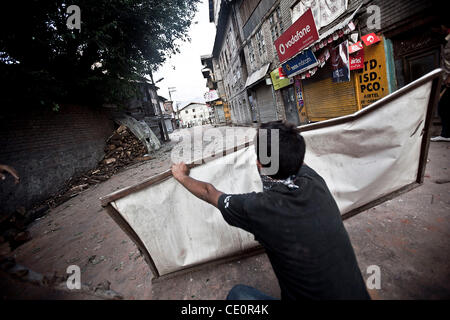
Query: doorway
417	65
290	105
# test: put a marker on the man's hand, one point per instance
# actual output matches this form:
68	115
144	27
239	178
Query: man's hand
200	189
180	170
11	171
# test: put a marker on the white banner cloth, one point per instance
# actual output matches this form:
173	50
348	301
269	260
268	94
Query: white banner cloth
362	158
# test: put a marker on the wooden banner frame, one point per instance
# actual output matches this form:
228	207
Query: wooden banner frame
434	76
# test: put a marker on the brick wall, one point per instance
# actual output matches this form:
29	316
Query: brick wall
47	148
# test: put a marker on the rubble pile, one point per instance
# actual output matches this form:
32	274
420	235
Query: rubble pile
122	149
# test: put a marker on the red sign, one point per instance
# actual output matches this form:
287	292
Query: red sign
355	47
370	39
297	37
357	60
281	73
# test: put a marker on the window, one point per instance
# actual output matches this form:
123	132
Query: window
195	116
260	41
193	110
251	53
276	24
278	12
186	111
230	40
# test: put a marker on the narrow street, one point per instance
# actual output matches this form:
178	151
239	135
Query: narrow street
407	237
102	101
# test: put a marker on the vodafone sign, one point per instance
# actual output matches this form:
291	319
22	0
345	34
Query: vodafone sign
297	37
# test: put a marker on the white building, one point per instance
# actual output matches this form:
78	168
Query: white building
195	114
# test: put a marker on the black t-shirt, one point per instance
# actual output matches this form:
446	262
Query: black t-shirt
302	232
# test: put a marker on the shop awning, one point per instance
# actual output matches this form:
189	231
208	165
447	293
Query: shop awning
336	28
257	75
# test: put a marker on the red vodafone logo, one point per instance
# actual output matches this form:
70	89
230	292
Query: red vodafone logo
298	36
370	39
282	49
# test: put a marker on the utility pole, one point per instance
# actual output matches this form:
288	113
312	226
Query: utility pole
173	89
164	133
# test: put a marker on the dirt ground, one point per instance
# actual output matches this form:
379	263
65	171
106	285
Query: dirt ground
407	237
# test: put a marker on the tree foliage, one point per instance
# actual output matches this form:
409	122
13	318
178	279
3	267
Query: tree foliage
42	60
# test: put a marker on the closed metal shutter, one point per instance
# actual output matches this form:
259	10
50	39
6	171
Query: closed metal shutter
240	112
237	114
265	103
220	113
325	99
244	111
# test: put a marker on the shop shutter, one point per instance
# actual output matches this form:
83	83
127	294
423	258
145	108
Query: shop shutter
245	112
220	113
325	99
241	112
265	103
237	107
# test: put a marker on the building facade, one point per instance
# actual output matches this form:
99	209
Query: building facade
213	98
363	50
195	114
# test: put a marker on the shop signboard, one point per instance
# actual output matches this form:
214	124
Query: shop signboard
370	39
211	96
340	63
355	47
357	60
277	81
300	63
298	36
372	82
281	73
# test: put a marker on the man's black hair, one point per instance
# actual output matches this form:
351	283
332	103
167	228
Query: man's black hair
291	148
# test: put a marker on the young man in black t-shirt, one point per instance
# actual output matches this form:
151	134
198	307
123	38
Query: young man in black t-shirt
295	219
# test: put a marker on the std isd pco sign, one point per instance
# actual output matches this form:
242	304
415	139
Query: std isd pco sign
298	36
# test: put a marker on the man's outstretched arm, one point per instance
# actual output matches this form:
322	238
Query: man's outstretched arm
200	189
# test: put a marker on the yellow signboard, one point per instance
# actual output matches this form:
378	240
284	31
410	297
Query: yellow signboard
372	82
277	82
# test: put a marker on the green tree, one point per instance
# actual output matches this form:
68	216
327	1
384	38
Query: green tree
43	61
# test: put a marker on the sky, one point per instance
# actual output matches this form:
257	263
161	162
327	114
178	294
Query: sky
187	77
